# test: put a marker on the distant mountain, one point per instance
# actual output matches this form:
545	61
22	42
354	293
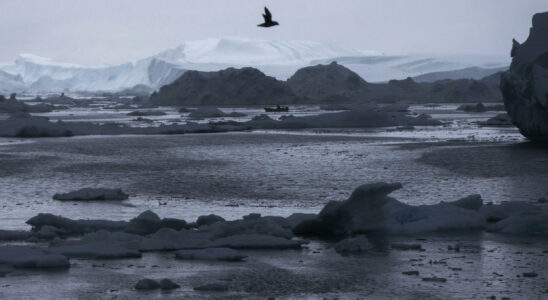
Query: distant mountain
274	58
332	83
466	73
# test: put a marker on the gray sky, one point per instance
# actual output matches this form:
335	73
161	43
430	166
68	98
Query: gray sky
114	31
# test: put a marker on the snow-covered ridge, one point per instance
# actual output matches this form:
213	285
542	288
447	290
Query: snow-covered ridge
241	51
275	58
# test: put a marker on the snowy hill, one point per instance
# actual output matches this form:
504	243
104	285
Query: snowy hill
274	58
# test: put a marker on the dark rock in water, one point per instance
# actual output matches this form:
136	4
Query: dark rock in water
359	214
167	284
209	219
212	287
434	279
498	120
147	284
407	247
229	86
12	105
415	273
473	108
480	107
525	86
530	274
185	110
89	194
173	223
143	113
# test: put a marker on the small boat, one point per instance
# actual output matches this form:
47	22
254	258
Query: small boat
277	109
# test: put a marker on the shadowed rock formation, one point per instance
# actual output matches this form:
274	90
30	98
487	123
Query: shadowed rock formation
525	86
230	86
332	83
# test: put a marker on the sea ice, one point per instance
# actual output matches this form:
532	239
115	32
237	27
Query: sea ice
255	241
99	250
89	194
31	257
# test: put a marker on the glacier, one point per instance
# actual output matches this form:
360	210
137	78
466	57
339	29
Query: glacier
34	74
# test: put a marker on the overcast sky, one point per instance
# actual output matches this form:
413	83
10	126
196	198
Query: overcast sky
114	31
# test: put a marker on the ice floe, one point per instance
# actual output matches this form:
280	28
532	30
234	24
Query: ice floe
88	194
31	257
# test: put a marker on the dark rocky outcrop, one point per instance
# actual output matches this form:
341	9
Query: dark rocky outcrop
225	87
325	83
525	85
332	83
12	105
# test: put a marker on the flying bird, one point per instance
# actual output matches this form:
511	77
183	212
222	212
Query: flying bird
268	19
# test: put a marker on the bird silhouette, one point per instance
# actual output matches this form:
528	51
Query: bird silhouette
268	19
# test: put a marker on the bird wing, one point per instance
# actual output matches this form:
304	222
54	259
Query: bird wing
267	15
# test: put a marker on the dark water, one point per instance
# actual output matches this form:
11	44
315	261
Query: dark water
272	173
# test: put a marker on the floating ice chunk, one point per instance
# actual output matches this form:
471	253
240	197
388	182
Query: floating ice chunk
253	223
145	223
225	254
173	223
144	113
31	257
147	284
354	245
297	218
74	226
48	232
369	209
497	212
362	212
524	223
101	250
14	235
470	202
167	284
167	239
255	241
443	217
88	194
209	219
498	120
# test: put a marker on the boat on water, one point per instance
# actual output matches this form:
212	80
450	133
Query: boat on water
277	109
